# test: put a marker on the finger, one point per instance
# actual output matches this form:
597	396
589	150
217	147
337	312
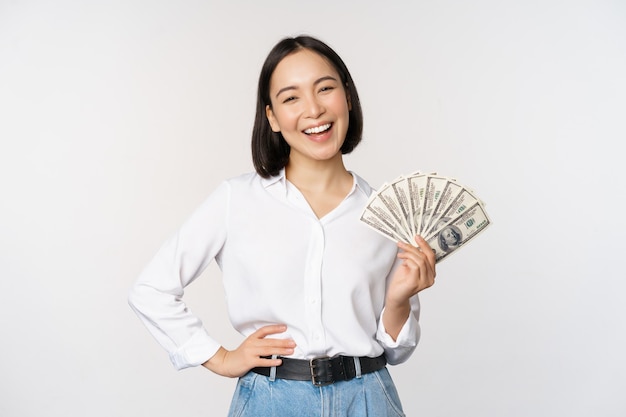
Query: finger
270	343
269	329
422	244
274	350
417	257
420	263
269	362
264	348
426	250
408	248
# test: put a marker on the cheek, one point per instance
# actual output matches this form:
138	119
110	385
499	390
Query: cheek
344	109
286	117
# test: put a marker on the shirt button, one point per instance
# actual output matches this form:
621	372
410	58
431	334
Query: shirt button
312	300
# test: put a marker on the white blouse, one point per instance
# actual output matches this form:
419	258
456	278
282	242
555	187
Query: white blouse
324	278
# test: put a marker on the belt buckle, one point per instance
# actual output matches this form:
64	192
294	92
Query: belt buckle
321	362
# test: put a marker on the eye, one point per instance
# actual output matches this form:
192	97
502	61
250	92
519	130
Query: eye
326	88
290	98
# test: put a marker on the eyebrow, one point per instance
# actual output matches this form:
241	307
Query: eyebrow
293	87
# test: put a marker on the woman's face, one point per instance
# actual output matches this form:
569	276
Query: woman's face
309	106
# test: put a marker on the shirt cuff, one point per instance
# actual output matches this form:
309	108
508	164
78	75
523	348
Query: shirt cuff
197	350
399	350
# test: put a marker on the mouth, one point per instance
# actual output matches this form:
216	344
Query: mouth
318	129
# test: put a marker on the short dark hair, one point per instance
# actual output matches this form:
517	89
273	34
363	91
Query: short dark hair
270	151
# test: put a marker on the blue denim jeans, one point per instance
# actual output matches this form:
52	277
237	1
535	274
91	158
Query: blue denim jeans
373	394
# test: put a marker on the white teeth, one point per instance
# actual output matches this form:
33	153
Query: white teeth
317	129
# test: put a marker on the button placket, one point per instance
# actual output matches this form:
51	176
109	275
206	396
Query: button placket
313	287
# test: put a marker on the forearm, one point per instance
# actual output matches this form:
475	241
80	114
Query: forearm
216	362
395	316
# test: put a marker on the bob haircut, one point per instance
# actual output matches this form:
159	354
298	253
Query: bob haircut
270	151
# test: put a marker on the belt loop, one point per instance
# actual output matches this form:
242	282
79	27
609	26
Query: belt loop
273	370
357	366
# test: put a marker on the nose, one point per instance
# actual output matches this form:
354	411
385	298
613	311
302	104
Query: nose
314	108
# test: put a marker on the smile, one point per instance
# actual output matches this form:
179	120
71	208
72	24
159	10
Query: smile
318	129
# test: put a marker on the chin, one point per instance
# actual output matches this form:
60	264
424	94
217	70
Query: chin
327	155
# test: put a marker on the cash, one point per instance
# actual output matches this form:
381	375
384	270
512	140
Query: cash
444	212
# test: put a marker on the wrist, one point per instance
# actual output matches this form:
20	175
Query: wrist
397	304
216	362
394	317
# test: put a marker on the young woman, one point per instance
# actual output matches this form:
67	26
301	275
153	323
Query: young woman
324	303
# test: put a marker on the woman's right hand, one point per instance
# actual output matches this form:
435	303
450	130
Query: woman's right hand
236	363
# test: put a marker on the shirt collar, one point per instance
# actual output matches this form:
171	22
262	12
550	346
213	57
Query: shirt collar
280	182
362	185
268	182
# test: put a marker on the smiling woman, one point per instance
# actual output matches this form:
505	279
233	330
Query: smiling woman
309	107
281	237
270	151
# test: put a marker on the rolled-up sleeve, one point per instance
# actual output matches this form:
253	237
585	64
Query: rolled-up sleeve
399	350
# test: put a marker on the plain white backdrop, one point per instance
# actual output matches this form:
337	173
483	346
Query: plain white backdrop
117	119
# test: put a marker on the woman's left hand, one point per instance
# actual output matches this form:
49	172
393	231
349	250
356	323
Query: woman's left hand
412	276
416	273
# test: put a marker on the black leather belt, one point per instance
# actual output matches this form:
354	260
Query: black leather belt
324	370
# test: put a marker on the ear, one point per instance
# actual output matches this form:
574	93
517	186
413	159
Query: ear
348	97
272	119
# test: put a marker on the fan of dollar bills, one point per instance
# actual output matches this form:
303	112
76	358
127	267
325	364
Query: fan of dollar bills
445	213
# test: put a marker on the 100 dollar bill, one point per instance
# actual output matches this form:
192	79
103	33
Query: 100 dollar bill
459	231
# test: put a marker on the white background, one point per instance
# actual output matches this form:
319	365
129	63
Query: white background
118	118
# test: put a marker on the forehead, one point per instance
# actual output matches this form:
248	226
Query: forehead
301	67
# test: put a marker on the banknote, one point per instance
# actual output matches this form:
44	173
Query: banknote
400	188
464	199
389	197
417	188
381	225
377	206
459	231
446	213
449	192
434	187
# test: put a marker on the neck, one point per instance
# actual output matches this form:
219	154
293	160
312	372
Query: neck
318	175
